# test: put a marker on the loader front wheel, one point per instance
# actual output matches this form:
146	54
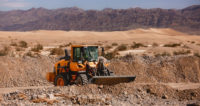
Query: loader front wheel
81	79
60	81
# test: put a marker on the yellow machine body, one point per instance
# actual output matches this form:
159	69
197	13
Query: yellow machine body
74	69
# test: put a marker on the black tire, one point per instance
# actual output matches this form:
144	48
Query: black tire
82	79
66	82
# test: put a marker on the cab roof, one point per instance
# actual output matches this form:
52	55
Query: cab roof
83	45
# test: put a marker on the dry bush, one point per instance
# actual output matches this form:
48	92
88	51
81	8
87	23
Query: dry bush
18	49
13	44
128	56
137	45
29	54
192	42
23	44
172	45
4	51
107	47
121	47
155	44
182	52
110	55
37	48
162	54
114	44
197	54
57	51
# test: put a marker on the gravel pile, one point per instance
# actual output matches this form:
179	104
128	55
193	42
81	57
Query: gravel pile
121	94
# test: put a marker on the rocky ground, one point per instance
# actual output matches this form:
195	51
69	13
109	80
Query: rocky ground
152	85
121	94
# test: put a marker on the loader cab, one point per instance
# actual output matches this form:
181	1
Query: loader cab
84	53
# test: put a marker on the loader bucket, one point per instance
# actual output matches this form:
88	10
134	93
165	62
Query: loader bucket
111	80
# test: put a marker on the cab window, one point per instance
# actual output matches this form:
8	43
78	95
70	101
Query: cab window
77	54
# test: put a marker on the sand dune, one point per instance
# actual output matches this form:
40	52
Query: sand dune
142	35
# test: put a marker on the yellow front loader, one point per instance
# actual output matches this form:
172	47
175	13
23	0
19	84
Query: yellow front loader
84	66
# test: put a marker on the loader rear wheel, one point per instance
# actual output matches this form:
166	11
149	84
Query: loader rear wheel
82	79
60	81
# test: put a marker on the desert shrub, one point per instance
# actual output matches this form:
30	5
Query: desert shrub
23	44
18	49
4	51
37	48
192	42
163	54
137	45
56	51
29	54
172	45
182	52
107	47
121	47
197	54
110	55
155	44
128	56
13	44
114	44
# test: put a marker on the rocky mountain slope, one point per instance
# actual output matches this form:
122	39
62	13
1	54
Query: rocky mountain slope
187	19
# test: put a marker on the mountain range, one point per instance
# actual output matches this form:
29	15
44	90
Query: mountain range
186	20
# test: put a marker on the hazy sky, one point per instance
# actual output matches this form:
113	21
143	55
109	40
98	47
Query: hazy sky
95	4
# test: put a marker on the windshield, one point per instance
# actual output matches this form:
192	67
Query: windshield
91	53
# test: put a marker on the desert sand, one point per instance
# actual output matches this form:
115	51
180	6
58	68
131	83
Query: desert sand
138	35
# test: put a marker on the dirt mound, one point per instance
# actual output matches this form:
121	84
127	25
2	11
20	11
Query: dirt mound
161	69
150	88
24	71
29	71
